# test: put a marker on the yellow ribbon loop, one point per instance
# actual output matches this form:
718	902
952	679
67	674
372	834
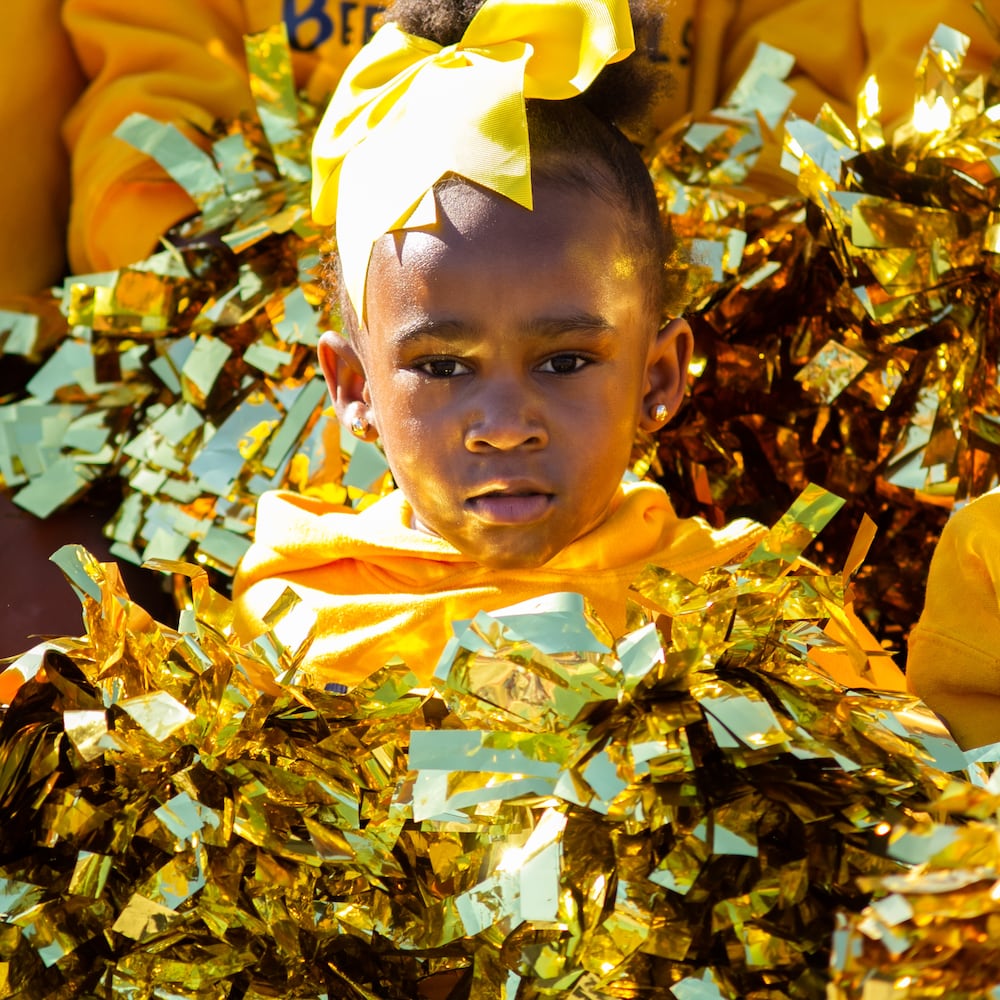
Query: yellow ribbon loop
409	111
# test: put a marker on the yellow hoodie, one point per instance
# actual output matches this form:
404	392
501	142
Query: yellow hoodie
182	61
377	588
954	650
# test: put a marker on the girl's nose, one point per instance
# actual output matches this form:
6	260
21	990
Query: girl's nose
505	420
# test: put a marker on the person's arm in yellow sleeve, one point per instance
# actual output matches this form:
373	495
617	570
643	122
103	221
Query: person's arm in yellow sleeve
836	47
954	650
825	39
179	62
39	81
895	36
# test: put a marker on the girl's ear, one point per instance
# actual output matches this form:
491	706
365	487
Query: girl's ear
666	374
347	385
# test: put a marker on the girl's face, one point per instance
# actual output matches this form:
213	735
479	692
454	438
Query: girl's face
506	361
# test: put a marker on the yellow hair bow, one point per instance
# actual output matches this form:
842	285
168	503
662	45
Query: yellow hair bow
409	111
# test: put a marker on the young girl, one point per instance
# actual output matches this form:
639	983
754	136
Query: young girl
503	287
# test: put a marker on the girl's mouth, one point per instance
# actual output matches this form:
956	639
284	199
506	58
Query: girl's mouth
514	506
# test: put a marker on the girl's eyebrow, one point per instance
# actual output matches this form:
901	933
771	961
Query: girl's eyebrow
585	323
588	324
437	329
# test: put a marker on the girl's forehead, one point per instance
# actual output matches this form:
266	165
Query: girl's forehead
472	209
476	226
493	267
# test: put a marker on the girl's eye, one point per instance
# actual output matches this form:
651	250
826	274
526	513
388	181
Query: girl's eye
443	367
563	364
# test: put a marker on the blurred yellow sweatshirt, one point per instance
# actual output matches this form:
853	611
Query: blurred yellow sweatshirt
182	61
39	82
954	650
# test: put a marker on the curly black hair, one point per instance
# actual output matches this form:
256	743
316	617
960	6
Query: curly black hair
587	142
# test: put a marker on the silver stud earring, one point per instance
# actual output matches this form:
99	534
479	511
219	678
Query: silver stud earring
659	413
359	427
